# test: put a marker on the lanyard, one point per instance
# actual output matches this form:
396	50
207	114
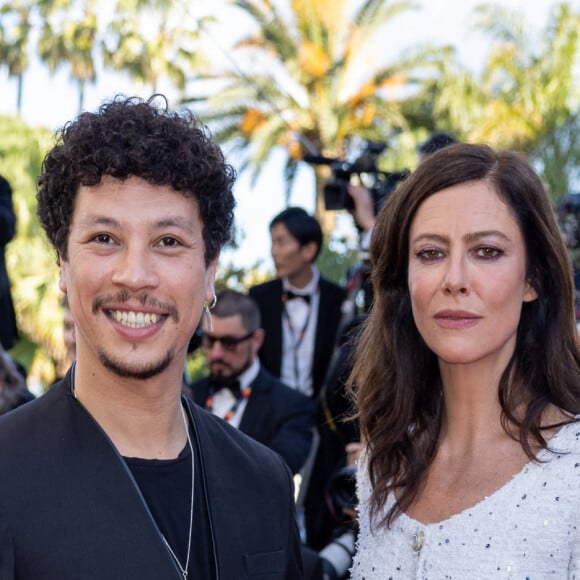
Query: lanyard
246	392
298	337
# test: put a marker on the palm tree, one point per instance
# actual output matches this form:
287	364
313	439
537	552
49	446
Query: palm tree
153	41
15	27
66	40
528	98
311	80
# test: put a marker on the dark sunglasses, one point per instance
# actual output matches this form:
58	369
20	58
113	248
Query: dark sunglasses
227	342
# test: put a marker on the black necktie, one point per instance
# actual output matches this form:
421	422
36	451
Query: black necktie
292	295
217	383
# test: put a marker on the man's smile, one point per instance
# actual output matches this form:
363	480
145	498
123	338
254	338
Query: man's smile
134	319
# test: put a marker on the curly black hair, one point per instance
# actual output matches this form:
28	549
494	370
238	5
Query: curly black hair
131	137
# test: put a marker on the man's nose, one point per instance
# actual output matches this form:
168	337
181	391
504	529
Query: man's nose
135	268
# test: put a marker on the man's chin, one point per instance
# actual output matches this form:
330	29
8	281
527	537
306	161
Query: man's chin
140	371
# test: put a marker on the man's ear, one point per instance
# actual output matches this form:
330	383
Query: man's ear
310	250
210	279
258	339
62	275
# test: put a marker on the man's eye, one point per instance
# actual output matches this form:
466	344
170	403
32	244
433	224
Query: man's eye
103	238
169	242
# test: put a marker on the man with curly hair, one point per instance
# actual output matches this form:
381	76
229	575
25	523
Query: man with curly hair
113	473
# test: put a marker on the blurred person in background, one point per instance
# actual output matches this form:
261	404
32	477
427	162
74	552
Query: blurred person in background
243	393
436	140
8	328
300	309
301	312
13	391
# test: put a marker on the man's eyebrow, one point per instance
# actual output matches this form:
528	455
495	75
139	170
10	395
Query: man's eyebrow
175	221
99	220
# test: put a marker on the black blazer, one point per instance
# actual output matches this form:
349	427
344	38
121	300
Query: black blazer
275	415
269	298
69	509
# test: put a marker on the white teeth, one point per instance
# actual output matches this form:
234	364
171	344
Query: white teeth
134	319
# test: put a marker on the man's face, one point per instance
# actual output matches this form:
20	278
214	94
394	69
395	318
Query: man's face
135	276
226	358
290	258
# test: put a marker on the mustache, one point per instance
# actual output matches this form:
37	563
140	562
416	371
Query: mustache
219	361
143	298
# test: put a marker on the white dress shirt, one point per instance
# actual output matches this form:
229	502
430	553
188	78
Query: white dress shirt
297	353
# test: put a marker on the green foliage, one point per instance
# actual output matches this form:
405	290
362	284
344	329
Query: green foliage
197	365
31	262
527	97
336	259
154	42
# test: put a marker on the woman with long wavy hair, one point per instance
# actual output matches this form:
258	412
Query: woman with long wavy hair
467	379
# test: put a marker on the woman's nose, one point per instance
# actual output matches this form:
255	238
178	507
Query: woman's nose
456	280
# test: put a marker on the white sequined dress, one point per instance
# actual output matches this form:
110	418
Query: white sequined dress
529	529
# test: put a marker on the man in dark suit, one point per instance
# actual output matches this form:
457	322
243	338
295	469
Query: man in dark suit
301	310
113	473
243	393
8	329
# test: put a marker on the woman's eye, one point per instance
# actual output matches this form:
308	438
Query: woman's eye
429	254
489	253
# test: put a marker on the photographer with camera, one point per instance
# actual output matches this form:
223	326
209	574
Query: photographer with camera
363	205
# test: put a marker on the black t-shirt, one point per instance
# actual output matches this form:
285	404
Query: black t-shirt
166	487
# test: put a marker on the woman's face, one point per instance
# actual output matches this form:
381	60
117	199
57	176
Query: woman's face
467	274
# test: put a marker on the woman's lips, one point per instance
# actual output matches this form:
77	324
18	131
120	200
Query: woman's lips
456	319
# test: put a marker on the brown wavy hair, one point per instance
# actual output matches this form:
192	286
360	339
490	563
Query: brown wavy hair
395	379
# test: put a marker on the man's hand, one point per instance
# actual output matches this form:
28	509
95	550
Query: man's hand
364	211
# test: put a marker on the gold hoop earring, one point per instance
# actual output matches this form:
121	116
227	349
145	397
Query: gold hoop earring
207	313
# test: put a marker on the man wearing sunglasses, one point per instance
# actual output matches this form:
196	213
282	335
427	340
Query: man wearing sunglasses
243	393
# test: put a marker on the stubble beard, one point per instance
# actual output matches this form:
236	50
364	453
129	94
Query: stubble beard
142	372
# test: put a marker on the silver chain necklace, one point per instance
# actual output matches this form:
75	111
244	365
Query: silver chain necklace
183	569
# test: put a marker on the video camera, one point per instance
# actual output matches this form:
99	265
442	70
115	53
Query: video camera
336	194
